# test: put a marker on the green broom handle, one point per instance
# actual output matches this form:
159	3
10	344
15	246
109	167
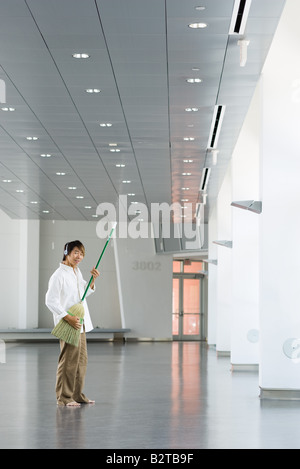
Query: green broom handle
108	239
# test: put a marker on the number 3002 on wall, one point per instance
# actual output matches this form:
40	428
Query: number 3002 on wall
146	265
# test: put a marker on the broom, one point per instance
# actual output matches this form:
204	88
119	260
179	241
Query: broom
64	330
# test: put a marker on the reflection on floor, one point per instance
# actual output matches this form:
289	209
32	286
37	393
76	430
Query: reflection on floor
159	395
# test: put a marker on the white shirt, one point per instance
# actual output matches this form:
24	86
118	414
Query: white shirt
66	288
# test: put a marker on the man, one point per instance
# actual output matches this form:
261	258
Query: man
66	288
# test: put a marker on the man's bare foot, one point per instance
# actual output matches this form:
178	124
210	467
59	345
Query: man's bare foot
73	404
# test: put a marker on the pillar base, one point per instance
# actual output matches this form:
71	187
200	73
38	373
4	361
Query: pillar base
280	394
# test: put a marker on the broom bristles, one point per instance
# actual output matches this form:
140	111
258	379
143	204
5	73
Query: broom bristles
64	331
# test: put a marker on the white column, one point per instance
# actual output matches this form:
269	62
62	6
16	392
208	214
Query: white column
224	272
245	270
29	274
279	370
212	278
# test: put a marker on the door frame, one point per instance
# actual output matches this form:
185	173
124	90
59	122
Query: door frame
202	335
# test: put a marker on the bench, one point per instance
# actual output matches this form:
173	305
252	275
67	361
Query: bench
40	334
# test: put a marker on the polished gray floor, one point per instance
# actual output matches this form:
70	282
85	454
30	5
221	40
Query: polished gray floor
148	395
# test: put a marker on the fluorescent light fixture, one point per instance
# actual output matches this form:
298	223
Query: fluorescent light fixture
120	165
31	138
186	174
239	16
113	150
216	126
72	188
19	190
46	155
8	109
204	179
131	194
105	124
6	180
126	182
188	139
60	174
46	211
191	109
188	161
79	197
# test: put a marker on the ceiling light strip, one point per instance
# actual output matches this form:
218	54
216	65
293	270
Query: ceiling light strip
204	179
239	16
216	126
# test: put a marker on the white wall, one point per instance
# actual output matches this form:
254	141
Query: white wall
145	288
104	303
9	271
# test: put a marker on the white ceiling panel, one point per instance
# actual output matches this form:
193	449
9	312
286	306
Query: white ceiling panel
141	54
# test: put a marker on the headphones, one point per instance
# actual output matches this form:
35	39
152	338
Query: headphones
66	250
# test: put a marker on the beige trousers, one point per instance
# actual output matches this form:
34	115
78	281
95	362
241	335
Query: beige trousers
71	370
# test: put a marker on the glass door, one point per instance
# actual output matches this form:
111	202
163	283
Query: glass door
187	307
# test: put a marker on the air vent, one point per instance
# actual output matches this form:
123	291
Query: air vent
216	126
239	16
204	179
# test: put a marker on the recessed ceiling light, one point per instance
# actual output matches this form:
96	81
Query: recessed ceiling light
191	109
105	124
8	109
46	155
80	56
197	25
92	90
6	180
193	80
72	188
31	138
79	197
126	182
120	165
60	174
